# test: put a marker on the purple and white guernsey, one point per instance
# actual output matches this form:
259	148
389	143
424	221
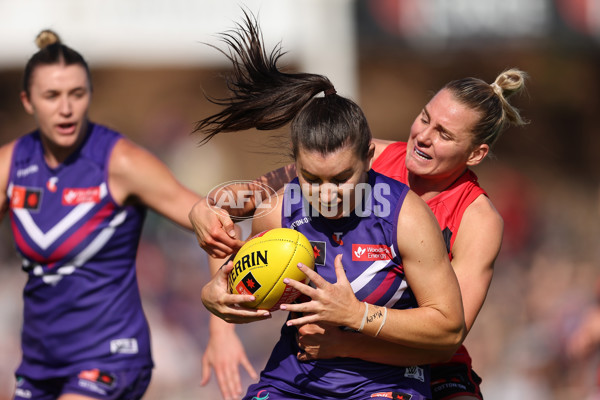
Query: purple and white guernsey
367	239
81	300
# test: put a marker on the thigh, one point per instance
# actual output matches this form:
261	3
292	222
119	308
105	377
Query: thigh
456	382
107	385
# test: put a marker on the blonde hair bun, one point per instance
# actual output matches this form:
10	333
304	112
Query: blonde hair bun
46	38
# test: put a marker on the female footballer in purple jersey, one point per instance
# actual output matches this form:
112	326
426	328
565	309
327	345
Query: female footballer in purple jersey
77	193
454	132
396	282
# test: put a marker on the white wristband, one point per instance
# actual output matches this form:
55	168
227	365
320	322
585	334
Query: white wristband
364	320
383	321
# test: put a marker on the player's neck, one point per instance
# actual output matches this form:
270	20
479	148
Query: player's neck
429	187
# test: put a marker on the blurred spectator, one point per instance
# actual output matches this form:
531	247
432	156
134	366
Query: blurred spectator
583	347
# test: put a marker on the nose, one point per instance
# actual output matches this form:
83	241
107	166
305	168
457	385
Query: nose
65	106
328	193
424	135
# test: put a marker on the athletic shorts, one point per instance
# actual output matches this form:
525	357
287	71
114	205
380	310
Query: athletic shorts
104	385
273	393
452	380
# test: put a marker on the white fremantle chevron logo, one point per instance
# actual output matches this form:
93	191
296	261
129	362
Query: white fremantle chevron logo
92	249
45	240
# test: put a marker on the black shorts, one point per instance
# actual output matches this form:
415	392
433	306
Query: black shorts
453	380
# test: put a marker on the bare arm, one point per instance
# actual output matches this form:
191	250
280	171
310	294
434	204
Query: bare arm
5	159
323	341
215	294
224	305
475	249
278	178
224	352
137	176
474	252
213	225
437	324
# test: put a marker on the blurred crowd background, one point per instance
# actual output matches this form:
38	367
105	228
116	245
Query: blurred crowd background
150	70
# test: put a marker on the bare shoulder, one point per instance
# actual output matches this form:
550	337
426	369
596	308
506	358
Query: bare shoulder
134	171
380	146
482	210
126	155
414	209
416	220
480	231
6	152
131	164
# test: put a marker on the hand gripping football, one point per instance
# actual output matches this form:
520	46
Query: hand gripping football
264	261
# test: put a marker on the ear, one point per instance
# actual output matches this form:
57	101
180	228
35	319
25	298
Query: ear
371	155
26	103
478	154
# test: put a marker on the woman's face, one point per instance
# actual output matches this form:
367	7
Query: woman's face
440	141
329	181
59	98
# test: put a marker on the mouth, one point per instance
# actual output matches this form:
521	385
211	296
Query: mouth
333	211
329	206
422	155
66	128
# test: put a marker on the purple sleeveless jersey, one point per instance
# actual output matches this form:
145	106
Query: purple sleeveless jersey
82	306
367	239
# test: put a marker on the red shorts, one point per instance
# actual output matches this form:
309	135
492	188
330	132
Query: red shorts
452	380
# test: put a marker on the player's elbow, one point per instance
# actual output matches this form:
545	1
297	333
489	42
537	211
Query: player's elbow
455	333
458	335
447	346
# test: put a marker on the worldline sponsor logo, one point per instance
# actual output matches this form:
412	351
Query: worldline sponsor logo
236	196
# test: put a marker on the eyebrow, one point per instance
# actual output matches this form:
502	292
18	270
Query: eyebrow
75	89
303	171
440	127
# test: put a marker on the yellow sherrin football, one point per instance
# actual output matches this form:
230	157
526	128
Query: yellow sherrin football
264	261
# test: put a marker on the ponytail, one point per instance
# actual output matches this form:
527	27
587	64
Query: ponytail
265	98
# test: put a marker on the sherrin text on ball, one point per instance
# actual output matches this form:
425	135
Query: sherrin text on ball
264	261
